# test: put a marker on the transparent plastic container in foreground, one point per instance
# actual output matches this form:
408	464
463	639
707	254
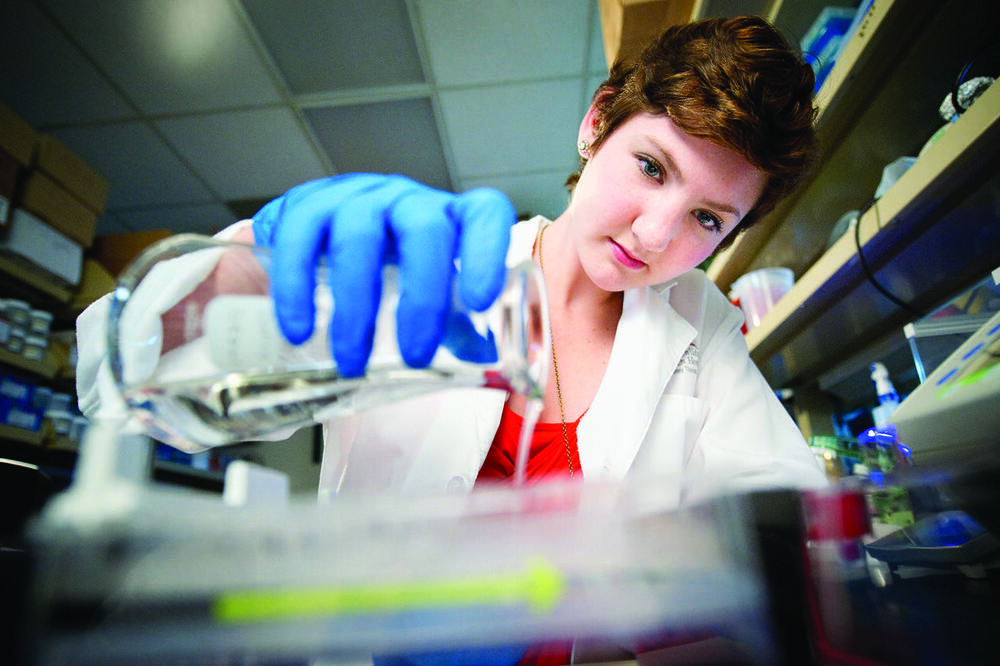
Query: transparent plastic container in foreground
196	352
152	573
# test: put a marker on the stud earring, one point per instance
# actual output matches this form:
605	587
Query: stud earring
583	147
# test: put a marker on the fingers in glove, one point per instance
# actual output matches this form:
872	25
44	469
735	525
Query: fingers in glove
425	238
485	217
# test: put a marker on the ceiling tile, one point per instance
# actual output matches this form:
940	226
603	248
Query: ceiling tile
540	193
45	78
140	168
389	137
325	46
170	57
245	154
514	128
198	219
501	41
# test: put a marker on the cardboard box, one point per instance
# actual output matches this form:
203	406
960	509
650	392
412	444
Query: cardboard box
43	246
61	210
9	173
116	251
16	136
95	282
71	172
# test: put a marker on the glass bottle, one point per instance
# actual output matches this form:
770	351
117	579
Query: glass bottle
197	355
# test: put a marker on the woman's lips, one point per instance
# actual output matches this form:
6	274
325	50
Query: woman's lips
624	257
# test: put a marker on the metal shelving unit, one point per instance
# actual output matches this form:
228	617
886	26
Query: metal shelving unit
932	235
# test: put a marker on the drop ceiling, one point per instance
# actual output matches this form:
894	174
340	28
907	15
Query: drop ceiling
198	111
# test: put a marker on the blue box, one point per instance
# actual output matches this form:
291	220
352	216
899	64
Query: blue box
19	416
17	390
821	43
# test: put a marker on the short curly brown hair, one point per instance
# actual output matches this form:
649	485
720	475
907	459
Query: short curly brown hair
735	82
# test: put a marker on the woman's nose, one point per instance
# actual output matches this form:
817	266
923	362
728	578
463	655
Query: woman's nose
655	228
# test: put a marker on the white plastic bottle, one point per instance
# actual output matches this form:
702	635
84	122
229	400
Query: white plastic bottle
888	399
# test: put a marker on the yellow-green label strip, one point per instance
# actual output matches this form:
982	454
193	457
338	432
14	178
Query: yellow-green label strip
540	587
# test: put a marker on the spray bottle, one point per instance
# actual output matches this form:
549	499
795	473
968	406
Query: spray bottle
890	503
888	399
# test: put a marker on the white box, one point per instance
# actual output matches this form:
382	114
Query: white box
36	241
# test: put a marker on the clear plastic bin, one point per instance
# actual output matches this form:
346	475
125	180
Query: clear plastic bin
758	291
162	574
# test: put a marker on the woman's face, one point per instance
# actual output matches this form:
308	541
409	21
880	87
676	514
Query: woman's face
654	202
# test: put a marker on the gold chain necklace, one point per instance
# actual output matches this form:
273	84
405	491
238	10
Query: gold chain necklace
555	366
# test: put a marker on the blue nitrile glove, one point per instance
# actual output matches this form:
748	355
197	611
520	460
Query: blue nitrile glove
361	221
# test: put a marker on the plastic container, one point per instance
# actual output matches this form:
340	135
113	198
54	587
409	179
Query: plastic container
18	312
892	173
757	292
60	420
4	328
60	402
40	322
34	347
821	44
15	339
41	398
299	578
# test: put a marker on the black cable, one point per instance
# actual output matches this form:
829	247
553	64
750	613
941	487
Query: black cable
959	109
868	272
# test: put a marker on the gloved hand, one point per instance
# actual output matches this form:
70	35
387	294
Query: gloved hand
362	221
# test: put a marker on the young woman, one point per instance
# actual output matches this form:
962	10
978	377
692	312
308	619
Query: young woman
682	149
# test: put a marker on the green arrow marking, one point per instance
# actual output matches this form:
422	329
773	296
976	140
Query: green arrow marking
540	586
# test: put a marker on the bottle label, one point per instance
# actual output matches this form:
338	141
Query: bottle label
242	332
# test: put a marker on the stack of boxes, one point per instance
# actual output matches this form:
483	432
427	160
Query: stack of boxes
50	200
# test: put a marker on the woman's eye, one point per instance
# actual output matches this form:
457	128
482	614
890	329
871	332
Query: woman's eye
708	221
650	168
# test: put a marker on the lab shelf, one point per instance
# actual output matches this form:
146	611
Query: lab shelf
43	368
933	234
32	280
797	230
22	435
917	239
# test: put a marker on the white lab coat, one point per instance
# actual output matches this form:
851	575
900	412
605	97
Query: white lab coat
680	400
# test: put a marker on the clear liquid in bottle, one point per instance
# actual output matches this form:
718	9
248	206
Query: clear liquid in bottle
196	352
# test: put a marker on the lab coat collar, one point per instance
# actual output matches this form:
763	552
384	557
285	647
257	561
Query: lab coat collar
650	340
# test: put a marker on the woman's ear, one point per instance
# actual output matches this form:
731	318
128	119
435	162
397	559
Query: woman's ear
594	118
588	127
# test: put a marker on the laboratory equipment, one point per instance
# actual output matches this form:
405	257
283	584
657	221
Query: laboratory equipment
947	430
951	418
196	351
129	571
758	291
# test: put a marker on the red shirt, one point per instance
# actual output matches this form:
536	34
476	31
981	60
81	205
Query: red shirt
546	459
548	451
